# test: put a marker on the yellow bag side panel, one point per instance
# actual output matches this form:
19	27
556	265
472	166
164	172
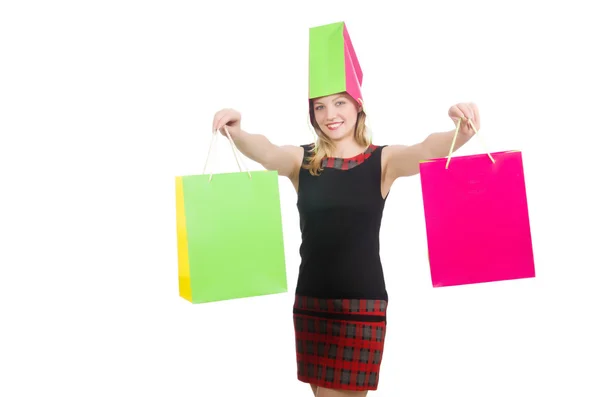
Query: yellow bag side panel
185	287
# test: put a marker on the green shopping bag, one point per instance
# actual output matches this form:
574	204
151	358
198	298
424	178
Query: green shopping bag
333	66
229	235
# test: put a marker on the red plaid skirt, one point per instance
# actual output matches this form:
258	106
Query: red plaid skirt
339	342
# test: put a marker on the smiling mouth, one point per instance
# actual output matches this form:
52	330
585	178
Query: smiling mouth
334	126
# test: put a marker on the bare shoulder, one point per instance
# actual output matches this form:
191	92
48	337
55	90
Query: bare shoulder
390	152
402	160
294	158
287	160
296	153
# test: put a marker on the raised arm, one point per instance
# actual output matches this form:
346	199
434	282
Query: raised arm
286	160
401	160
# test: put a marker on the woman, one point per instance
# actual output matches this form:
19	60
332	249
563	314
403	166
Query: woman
342	183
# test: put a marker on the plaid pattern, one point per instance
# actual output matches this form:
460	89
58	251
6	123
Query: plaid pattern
344	163
354	306
339	354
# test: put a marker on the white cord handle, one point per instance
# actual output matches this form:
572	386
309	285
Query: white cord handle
454	142
233	148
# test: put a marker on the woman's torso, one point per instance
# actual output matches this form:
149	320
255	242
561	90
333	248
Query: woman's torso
340	217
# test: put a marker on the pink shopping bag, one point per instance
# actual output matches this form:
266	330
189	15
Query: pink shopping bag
477	219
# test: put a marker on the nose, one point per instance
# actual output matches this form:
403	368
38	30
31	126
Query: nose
331	113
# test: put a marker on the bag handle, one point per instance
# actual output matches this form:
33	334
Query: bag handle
454	142
233	148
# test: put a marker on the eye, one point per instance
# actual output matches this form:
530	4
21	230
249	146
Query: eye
319	107
340	103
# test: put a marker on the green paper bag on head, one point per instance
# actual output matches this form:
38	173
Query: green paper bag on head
333	64
229	235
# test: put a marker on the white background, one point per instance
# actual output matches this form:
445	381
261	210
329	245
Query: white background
103	103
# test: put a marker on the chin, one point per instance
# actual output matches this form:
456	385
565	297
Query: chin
337	135
341	135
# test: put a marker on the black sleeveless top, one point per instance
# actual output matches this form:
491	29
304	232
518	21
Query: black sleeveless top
340	217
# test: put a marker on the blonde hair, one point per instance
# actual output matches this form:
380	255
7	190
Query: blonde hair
324	146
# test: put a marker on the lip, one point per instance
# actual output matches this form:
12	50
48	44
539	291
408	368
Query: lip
334	126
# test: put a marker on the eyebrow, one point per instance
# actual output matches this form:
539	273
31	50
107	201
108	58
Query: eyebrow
334	99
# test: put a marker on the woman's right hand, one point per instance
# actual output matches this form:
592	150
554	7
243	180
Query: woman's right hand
230	118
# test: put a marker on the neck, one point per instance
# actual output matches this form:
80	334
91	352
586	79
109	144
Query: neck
347	148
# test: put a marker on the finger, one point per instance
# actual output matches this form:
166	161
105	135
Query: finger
216	119
224	119
455	113
466	110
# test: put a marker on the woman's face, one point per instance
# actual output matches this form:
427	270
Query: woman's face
336	115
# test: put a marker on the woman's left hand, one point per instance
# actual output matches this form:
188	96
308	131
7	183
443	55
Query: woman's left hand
465	112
